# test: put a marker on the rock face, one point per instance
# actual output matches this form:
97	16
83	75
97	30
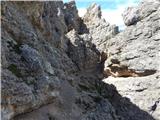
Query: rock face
82	52
137	47
131	16
71	17
53	63
98	28
49	64
133	58
134	14
142	91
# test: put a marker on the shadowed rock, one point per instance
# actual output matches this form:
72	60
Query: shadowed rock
53	62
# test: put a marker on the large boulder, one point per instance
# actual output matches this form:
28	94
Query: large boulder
134	14
131	16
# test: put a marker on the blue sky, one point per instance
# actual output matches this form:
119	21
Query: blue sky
111	9
105	4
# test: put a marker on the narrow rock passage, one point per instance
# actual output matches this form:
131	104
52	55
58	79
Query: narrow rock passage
54	62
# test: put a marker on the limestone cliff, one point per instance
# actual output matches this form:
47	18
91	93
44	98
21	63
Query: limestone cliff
134	58
58	66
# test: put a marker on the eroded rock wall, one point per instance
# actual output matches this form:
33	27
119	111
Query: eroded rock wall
49	65
133	64
53	63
